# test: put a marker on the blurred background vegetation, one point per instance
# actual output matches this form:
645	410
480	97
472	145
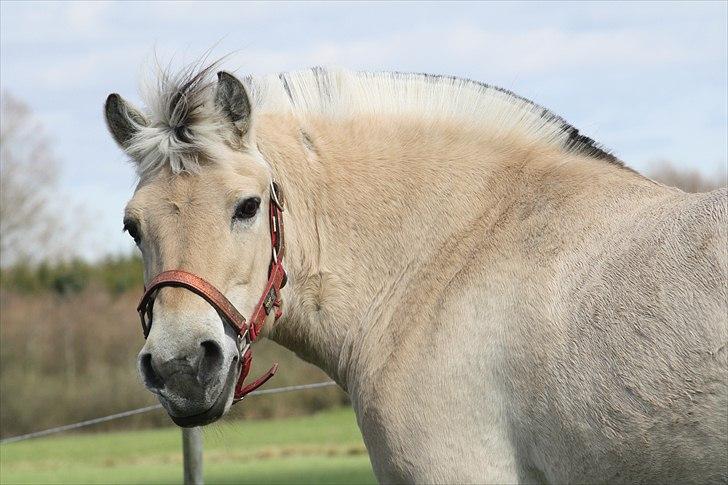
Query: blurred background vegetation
69	334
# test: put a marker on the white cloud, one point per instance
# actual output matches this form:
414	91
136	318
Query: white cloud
60	22
549	49
89	68
87	17
465	47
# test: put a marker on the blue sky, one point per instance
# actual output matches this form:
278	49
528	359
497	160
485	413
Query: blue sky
647	80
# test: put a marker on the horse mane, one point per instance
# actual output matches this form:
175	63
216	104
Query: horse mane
184	119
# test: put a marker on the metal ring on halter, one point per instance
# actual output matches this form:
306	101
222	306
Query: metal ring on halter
243	338
274	195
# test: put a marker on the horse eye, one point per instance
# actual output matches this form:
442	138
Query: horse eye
133	230
247	208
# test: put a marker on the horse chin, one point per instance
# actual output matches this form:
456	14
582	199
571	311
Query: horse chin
217	410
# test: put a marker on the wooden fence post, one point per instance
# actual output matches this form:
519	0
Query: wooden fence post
192	453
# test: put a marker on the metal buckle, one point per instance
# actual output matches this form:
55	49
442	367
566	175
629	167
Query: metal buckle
270	300
146	316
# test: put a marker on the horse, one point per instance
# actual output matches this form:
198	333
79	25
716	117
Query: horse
503	299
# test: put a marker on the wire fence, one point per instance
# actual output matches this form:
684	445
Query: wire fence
146	409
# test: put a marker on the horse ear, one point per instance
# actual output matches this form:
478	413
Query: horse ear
122	119
233	101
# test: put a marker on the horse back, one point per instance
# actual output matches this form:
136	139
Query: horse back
633	380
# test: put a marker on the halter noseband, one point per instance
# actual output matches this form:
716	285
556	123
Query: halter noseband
246	332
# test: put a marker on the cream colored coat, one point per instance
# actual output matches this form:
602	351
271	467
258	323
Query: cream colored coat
499	307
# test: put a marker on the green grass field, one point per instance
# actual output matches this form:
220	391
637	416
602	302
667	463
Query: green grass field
323	448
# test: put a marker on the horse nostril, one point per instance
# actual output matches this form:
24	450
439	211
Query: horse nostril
151	378
211	360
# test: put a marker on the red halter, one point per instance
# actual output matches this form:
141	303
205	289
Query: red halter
247	332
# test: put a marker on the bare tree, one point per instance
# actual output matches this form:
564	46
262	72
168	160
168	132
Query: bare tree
28	177
687	179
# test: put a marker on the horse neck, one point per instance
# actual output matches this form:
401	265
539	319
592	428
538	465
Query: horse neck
370	202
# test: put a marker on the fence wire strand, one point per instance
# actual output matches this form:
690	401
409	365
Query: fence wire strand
146	409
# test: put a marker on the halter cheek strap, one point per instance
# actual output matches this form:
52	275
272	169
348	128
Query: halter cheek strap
246	332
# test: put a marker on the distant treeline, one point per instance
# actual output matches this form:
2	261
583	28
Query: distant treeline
115	274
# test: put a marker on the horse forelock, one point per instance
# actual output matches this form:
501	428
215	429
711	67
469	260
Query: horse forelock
184	123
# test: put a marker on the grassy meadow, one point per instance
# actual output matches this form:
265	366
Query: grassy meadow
322	448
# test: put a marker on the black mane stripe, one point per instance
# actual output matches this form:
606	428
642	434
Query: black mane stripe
576	142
